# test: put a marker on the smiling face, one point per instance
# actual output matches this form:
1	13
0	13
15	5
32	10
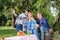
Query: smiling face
32	18
39	15
29	14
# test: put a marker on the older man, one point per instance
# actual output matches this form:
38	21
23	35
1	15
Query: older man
44	26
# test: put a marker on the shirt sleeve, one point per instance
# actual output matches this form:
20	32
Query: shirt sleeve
45	23
35	22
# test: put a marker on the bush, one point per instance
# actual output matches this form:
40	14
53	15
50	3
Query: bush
57	27
9	23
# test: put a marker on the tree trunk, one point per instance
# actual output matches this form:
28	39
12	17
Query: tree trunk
13	21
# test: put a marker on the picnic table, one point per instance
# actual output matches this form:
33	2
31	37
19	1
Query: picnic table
26	37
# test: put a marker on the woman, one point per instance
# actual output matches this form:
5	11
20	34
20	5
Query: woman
28	22
31	25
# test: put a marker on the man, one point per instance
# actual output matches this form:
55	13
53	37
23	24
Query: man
44	26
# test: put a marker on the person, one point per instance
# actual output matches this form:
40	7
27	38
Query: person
31	25
20	21
34	27
14	16
28	22
18	24
26	12
43	23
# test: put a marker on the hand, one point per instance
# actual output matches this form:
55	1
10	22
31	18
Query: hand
37	25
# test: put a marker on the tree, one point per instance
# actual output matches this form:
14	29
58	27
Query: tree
57	18
6	7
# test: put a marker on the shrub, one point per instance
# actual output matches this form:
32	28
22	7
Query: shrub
9	23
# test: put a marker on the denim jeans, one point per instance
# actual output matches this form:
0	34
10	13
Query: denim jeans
43	31
18	27
34	31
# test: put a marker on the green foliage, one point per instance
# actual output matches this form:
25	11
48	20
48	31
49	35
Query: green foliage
6	7
7	13
56	36
57	26
7	32
9	22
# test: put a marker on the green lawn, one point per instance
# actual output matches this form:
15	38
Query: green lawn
7	32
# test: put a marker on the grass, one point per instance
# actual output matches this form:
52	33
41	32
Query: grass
7	32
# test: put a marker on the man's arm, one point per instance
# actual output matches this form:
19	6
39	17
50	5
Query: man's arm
45	23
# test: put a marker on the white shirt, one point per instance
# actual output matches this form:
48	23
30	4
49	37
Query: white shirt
21	19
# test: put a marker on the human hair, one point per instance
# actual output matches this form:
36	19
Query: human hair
28	10
40	13
34	17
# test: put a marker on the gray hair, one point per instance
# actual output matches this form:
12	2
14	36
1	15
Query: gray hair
40	13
